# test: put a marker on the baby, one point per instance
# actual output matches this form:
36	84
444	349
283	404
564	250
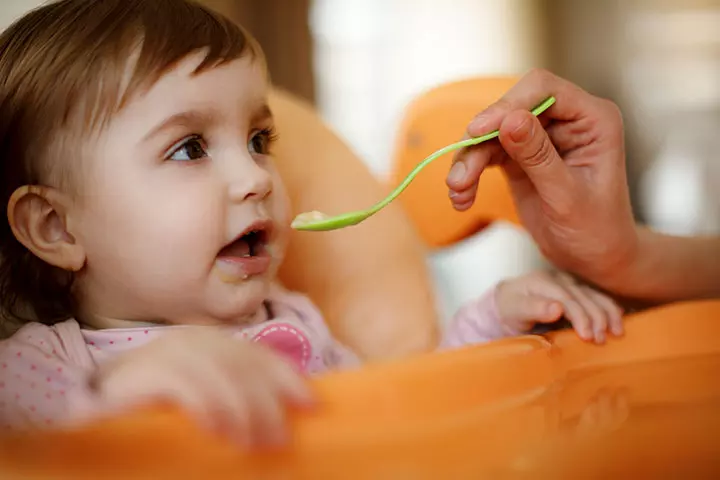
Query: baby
146	223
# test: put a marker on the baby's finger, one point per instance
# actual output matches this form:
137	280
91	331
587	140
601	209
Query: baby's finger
292	387
597	315
613	311
127	388
574	312
235	424
226	403
191	400
530	309
268	419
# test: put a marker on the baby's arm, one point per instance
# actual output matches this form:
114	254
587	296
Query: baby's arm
43	381
47	377
516	305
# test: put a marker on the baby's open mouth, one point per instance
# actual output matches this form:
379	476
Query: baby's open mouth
250	244
245	256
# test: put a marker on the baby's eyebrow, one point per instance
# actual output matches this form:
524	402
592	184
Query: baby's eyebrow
187	118
262	114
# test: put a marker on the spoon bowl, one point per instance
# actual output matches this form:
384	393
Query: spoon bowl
319	222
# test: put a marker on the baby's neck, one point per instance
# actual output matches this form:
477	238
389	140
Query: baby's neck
98	322
103	323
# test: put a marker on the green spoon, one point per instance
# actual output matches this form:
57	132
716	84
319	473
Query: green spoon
318	221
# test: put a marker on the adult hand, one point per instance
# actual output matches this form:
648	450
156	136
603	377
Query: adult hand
566	171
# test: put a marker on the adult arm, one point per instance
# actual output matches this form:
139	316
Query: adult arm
371	281
670	268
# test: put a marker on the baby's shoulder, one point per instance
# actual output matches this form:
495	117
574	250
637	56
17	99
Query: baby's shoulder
40	331
60	339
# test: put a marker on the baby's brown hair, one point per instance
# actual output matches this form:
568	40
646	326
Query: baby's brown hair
63	74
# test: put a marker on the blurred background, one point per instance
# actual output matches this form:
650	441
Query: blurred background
360	62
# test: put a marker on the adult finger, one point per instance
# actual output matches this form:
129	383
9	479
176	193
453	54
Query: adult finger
470	162
572	102
464	199
528	145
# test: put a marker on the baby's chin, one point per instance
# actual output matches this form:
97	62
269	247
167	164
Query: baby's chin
240	304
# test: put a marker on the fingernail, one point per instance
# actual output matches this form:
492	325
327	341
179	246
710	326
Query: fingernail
478	126
457	173
586	335
617	330
600	337
523	132
452	194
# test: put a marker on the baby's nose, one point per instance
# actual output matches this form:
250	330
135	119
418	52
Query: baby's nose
253	183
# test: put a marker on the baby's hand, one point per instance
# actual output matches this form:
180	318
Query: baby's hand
544	297
233	387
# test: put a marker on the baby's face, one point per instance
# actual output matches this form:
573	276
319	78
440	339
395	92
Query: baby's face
183	216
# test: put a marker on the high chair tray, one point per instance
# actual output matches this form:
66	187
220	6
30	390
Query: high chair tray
645	405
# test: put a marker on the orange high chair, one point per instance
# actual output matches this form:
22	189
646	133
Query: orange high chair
643	406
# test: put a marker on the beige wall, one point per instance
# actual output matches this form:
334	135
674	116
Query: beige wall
281	28
12	9
656	58
279	25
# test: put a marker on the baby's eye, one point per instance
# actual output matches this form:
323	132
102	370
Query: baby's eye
259	143
189	149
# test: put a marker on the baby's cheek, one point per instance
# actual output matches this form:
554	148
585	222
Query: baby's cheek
280	202
278	246
280	210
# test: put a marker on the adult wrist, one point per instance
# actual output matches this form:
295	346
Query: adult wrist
620	271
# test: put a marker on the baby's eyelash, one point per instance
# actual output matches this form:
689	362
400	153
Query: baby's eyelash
270	133
183	145
261	142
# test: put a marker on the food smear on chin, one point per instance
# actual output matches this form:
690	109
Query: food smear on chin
242	258
228	273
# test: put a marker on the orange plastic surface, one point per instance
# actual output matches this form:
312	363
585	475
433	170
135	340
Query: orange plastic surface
435	119
532	407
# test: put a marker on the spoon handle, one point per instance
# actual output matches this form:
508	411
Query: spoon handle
454	146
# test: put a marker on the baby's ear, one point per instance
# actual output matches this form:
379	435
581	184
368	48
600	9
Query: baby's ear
38	217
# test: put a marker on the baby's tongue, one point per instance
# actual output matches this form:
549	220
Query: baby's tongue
239	248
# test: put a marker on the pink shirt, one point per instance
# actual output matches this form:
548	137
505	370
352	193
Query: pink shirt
44	369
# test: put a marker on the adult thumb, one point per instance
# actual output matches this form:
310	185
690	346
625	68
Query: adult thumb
527	143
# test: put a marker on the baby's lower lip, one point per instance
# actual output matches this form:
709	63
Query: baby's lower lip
237	269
